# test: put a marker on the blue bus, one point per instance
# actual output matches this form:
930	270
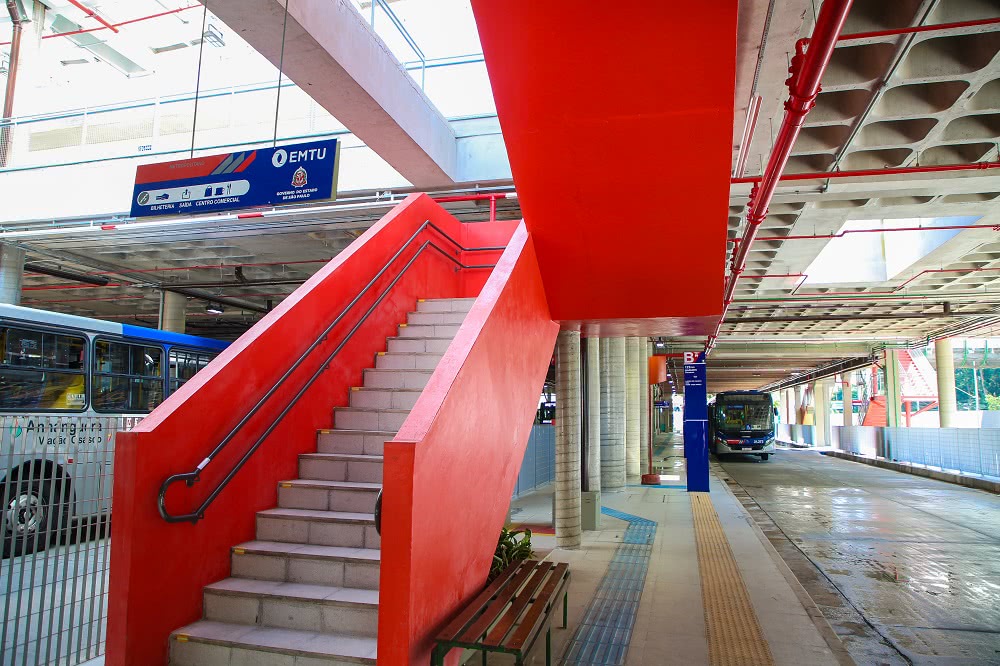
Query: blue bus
741	422
67	384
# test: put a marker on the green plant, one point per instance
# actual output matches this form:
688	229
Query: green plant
510	549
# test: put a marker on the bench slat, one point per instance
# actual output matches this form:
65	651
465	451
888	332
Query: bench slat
497	606
507	621
458	625
557	581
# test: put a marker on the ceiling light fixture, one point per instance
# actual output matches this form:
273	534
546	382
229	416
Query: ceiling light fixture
214	308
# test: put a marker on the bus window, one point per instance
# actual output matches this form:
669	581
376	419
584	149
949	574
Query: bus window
184	364
127	378
40	370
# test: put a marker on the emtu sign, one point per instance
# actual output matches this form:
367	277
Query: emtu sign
265	177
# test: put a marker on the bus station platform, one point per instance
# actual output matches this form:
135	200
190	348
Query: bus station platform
674	577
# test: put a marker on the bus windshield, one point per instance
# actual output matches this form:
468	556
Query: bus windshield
738	412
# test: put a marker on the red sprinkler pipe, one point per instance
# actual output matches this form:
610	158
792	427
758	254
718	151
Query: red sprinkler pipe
806	71
114	26
841	234
862	173
92	14
919	28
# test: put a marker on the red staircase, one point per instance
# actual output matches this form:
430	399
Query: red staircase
875	414
242	436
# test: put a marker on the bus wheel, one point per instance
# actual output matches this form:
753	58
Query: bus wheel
28	517
764	456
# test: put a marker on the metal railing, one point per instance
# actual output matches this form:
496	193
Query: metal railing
57	480
192	477
973	451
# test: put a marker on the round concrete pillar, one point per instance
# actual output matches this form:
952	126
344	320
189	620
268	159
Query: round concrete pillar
594	414
644	412
567	517
11	273
848	398
634	349
612	414
944	357
172	312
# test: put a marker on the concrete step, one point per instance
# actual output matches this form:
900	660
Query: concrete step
208	643
366	442
445	305
429	331
313	565
404	379
407	360
353	418
320	495
340	467
426	318
297	606
372	398
432	345
318	528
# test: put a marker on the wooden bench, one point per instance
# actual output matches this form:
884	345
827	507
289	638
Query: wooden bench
509	615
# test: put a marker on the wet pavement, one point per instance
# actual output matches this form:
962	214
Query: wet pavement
905	569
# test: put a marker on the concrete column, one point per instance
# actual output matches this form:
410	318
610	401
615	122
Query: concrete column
11	274
644	406
567	517
789	406
797	403
893	399
845	385
594	413
633	406
172	311
944	357
821	411
612	414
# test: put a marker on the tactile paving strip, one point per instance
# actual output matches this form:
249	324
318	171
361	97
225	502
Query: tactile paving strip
603	635
734	634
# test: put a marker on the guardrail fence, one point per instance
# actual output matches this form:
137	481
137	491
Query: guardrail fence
57	474
965	450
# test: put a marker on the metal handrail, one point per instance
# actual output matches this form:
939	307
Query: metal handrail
192	477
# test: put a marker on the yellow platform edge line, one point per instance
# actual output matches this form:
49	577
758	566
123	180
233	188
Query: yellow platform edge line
734	634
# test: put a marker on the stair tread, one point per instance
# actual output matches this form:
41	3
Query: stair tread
394	390
398	370
297	591
355	431
288	641
332	485
349	457
310	551
316	514
424	337
411	353
373	409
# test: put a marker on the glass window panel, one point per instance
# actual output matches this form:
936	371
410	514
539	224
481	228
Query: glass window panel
31	389
126	394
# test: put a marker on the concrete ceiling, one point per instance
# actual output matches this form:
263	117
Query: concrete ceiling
921	99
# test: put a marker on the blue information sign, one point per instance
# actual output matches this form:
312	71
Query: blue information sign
264	177
696	425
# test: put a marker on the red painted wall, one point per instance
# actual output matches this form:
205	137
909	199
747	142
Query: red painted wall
618	120
450	472
158	569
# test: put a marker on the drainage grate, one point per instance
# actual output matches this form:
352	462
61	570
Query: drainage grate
604	633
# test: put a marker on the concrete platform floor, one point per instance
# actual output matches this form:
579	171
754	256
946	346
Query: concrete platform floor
905	568
670	626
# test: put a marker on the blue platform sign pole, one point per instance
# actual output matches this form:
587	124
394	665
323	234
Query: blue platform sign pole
695	422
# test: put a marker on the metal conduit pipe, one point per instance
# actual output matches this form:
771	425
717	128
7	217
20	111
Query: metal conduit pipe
567	516
594	389
633	406
864	173
806	72
12	64
612	414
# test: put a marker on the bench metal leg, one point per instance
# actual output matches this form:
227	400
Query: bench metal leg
565	607
548	647
484	657
436	658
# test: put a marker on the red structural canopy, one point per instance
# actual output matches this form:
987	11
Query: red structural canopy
618	119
